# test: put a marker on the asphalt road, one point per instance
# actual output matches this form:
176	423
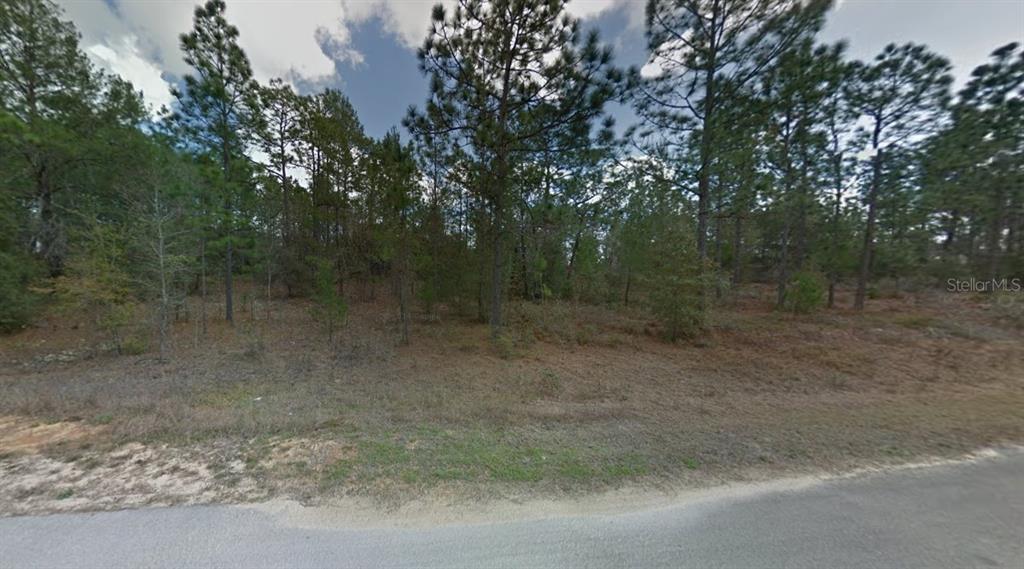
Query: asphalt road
964	515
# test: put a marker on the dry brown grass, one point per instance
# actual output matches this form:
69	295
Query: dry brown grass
585	397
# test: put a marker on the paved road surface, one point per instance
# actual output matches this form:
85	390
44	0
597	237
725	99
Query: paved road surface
964	515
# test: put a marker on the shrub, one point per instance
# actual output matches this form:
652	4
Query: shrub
678	284
505	345
134	345
95	283
806	292
677	300
1008	307
17	302
330	308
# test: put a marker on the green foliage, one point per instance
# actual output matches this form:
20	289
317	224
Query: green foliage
677	299
678	283
753	140
58	120
587	282
96	283
806	292
17	268
217	118
134	345
17	301
330	308
494	100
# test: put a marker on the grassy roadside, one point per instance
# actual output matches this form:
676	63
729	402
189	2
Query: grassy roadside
588	401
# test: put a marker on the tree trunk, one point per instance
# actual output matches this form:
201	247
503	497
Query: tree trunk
202	269
995	235
629	281
403	302
570	269
229	307
737	249
481	293
229	300
163	316
285	198
869	229
703	183
780	297
706	142
269	284
718	241
951	228
787	190
49	232
496	273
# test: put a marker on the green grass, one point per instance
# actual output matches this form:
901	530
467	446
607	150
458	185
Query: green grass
384	453
410	476
338	472
573	468
628	466
234	395
916	322
436	455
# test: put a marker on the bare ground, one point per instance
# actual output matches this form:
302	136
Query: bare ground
577	399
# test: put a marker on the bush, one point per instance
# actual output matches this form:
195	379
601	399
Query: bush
678	284
330	306
95	283
1008	307
17	302
806	292
506	346
134	345
677	299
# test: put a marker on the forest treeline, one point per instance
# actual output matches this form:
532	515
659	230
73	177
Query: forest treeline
759	154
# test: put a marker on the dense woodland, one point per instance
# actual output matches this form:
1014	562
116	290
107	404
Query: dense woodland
759	155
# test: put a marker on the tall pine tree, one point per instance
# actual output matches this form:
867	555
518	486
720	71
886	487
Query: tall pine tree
215	117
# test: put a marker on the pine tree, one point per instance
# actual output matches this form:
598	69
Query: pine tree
702	53
332	149
972	169
901	94
796	91
216	115
46	86
394	177
503	74
278	137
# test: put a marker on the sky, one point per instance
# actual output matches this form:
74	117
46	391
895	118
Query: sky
367	48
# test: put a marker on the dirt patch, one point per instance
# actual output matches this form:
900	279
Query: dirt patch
132	475
24	435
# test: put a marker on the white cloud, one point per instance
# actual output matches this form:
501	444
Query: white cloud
139	39
286	37
589	8
282	39
157	23
126	61
408	20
